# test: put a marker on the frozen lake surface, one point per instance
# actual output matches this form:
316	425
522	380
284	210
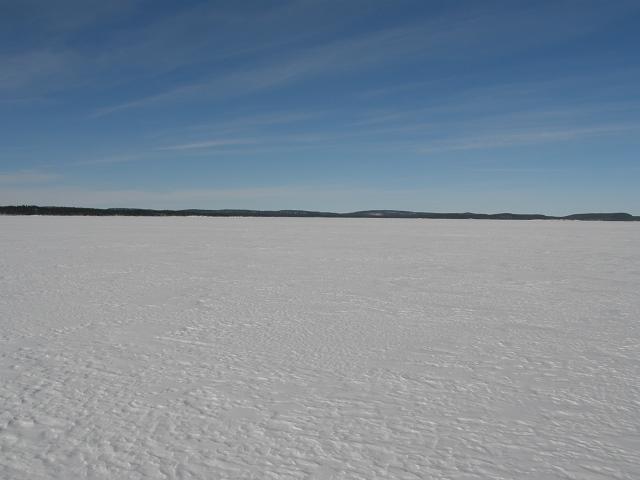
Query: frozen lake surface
226	348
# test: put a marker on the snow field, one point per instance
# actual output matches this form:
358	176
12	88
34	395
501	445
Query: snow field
240	348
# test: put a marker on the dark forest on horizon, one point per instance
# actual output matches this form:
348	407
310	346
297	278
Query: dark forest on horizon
143	212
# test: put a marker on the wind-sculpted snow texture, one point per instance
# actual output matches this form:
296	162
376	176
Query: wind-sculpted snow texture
225	348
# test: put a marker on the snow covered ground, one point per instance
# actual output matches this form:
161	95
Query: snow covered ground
213	348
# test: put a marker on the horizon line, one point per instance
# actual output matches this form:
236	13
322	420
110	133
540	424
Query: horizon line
51	210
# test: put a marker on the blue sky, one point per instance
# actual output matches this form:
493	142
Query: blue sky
522	106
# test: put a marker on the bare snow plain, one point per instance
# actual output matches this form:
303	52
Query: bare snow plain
239	348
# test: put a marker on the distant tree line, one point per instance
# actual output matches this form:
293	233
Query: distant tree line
142	212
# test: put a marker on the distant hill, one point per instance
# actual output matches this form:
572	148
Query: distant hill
140	212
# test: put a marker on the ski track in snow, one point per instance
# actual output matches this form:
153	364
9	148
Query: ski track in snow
247	348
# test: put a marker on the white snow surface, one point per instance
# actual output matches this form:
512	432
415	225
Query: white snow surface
262	348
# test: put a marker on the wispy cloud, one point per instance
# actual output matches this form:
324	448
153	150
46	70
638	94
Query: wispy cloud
274	45
24	70
390	45
529	137
431	39
406	130
27	177
109	159
258	120
210	144
165	41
